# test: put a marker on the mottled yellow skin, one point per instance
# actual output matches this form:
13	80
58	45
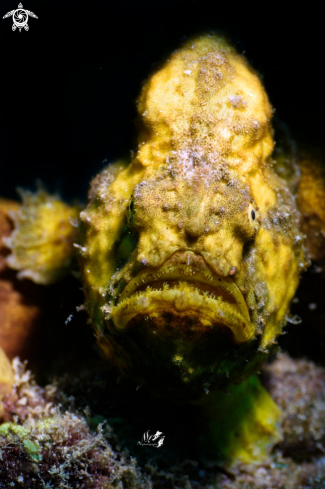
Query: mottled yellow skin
311	203
202	167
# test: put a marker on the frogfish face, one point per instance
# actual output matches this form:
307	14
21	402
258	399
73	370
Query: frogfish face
191	252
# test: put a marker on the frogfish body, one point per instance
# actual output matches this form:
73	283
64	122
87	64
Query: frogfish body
191	252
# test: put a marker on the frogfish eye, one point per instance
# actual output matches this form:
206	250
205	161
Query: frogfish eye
254	216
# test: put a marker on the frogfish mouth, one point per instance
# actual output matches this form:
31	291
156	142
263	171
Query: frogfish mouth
185	289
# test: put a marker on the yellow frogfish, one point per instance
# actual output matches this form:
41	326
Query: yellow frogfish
191	252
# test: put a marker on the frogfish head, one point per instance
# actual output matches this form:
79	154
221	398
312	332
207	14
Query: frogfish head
191	252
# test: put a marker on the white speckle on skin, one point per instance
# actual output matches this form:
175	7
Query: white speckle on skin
73	222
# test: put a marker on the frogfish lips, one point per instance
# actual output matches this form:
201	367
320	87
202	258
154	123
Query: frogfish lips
185	288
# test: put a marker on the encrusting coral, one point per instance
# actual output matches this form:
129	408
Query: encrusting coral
303	404
190	253
41	249
20	301
46	444
42	448
19	305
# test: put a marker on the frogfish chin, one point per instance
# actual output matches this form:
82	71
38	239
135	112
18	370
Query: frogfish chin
183	316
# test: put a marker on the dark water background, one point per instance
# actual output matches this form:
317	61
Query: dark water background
68	86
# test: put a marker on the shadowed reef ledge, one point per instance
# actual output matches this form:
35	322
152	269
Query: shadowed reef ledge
82	432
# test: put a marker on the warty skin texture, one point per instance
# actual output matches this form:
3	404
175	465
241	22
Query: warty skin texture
199	203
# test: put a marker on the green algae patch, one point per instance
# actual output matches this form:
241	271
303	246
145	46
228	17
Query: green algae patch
18	434
32	449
